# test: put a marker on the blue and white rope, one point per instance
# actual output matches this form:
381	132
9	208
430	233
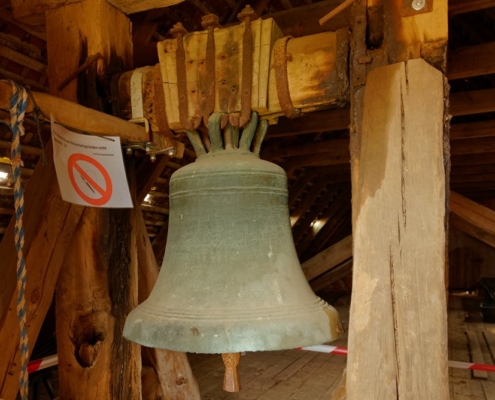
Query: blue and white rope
18	105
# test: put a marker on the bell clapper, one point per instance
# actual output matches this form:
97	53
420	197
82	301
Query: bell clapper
231	381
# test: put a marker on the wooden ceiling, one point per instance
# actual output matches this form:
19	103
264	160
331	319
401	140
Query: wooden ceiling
312	149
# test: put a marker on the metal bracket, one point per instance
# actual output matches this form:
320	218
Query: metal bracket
188	123
281	78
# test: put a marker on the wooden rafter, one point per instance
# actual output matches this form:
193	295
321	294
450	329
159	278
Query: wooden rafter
472	218
471	61
328	259
464	6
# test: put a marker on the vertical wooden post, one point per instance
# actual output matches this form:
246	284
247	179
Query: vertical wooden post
398	331
97	285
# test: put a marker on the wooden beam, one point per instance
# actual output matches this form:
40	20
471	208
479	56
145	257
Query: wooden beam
473	146
321	121
472	102
471	61
328	259
464	6
77	116
171	368
147	174
34	30
471	130
160	241
134	6
49	223
398	295
98	286
22	59
303	21
32	12
335	146
472	218
331	276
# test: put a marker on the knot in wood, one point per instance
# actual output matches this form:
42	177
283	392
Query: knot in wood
210	21
178	30
247	14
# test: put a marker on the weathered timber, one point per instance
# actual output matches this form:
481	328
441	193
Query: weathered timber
77	116
160	241
320	121
150	171
32	12
473	146
472	102
336	146
97	288
171	368
471	61
49	223
95	292
470	130
303	21
328	258
464	6
333	275
134	6
399	243
472	218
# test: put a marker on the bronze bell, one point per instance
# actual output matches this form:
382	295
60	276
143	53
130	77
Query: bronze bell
231	280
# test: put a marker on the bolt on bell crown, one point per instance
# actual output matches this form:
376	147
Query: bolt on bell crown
231	280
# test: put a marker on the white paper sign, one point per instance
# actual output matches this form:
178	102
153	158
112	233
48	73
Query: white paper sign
90	169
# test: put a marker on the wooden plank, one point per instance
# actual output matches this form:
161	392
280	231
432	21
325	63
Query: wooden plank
332	276
134	6
490	340
332	146
22	59
147	174
471	130
285	389
32	12
476	354
399	269
49	223
488	389
36	31
77	116
472	218
472	102
421	35
98	286
472	146
303	21
471	61
320	121
328	258
464	6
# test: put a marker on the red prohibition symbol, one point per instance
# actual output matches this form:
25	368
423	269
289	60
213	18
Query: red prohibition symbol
105	193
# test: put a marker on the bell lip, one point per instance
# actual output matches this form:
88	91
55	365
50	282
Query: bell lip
269	334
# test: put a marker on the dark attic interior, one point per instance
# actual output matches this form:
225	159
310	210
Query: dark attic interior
266	199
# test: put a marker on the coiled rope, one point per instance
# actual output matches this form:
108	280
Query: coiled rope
18	105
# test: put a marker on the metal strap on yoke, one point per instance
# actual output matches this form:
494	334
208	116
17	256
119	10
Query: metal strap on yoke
209	22
281	78
188	123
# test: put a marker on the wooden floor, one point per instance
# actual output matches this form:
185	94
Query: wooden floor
275	375
471	340
299	375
